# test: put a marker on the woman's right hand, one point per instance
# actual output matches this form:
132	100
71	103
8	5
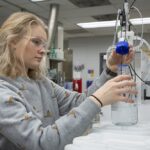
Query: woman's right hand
114	89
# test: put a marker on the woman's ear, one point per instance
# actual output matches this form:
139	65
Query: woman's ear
12	44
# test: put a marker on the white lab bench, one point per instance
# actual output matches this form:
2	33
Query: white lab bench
106	136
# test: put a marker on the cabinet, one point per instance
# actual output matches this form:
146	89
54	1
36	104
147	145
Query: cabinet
60	70
55	71
54	63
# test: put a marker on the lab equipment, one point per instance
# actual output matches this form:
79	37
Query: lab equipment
125	113
122	47
123	38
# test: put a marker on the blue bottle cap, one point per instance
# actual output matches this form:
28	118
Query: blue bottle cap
122	48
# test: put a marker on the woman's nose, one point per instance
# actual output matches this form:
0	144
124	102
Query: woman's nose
42	50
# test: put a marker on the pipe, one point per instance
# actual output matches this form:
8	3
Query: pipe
54	8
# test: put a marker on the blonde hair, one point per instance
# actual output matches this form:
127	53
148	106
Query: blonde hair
13	29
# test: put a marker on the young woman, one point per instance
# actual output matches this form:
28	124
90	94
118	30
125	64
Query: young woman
36	113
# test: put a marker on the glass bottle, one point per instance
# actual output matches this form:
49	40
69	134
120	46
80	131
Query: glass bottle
124	113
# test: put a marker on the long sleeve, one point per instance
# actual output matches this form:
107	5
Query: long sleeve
40	115
67	99
21	127
98	82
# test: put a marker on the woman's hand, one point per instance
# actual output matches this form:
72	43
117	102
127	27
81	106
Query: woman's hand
114	59
114	89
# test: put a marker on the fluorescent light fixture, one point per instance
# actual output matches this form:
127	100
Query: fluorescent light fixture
139	21
99	24
102	24
36	0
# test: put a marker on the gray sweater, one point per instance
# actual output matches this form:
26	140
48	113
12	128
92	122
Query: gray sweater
40	115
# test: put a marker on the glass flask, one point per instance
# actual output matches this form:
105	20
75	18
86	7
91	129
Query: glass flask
124	113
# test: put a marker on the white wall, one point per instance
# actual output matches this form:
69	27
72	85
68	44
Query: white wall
86	51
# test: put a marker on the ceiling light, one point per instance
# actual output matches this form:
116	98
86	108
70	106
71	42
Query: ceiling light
99	24
139	21
37	0
102	24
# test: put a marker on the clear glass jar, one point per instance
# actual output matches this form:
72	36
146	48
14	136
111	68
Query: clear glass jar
123	113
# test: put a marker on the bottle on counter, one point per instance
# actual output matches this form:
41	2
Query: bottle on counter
124	113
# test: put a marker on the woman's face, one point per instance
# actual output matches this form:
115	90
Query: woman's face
32	49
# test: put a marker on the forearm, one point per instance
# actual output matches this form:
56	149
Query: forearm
98	82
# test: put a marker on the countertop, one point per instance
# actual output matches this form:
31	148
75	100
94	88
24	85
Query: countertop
106	136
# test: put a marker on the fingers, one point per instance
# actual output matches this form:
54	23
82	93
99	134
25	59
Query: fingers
128	58
127	90
126	93
121	78
125	83
114	54
125	99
